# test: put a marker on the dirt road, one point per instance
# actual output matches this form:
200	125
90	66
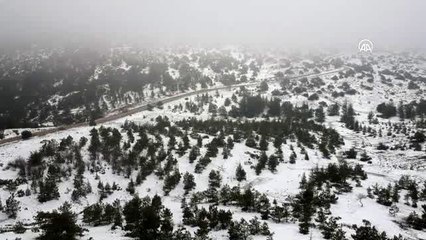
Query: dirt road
132	109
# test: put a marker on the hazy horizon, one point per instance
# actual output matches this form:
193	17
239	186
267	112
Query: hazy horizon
271	23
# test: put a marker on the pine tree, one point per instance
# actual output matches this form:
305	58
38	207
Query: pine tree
230	143
95	144
202	164
58	224
226	152
319	114
12	206
212	148
263	86
215	179
413	193
274	107
188	182
166	224
48	189
188	216
293	158
263	144
348	114
131	187
333	110
146	218
329	227
238	231
423	192
306	157
263	206
261	163
240	173
118	219
181	150
247	200
401	112
199	141
193	154
171	181
395	193
272	163
225	195
279	213
92	214
278	141
185	140
305	199
250	142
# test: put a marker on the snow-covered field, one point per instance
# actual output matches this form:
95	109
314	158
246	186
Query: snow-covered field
386	167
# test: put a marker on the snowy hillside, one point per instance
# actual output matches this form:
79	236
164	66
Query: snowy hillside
307	152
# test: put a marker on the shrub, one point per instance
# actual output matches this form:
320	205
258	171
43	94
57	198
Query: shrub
26	134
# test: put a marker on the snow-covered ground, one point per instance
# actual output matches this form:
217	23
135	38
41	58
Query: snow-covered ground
385	167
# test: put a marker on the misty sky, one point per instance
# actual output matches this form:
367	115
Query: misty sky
282	23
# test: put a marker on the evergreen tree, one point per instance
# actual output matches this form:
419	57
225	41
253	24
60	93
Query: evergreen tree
263	86
319	114
202	164
395	194
185	140
347	116
131	187
279	213
199	141
193	154
250	142
240	173
293	158
212	149
238	231
305	200
215	179
261	163
147	219
118	219
48	189
367	232
274	107
188	182
12	207
92	214
263	206
166	224
58	224
247	200
333	110
413	193
171	181
263	144
95	144
401	112
272	163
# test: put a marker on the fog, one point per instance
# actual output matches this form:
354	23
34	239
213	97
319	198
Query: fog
390	24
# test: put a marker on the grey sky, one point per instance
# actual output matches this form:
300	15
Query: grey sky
300	23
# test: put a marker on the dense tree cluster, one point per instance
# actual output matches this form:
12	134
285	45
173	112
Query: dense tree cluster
387	109
64	86
147	218
103	214
58	224
288	128
369	232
